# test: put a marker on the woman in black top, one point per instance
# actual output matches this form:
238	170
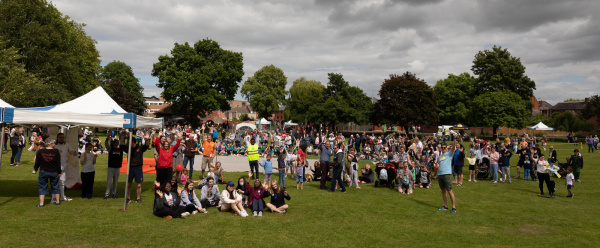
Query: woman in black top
278	197
167	203
48	161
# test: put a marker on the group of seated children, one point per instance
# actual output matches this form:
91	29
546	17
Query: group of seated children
172	201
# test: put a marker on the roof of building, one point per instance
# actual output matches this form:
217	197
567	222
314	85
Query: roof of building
568	106
545	105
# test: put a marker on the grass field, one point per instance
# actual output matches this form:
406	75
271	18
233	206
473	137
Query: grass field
491	215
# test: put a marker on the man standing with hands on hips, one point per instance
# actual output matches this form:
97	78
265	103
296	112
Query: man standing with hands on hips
444	175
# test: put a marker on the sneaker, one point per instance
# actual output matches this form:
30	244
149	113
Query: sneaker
139	201
66	199
552	196
57	203
343	191
128	200
443	208
578	180
260	214
105	197
330	191
474	180
469	180
53	200
453	211
241	214
283	212
517	177
114	196
39	206
255	213
185	214
168	217
195	212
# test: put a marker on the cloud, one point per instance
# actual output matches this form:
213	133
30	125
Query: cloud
365	40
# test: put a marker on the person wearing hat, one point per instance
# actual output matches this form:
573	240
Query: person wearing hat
505	165
231	200
48	161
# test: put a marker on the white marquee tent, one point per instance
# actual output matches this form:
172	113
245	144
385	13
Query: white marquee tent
541	127
242	125
96	108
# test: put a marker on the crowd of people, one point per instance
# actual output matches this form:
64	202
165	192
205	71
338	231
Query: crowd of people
395	160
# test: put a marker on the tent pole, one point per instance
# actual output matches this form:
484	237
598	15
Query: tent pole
127	178
1	144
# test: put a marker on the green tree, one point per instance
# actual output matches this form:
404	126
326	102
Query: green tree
245	117
340	103
592	108
118	71
500	109
570	122
18	87
199	79
265	90
497	71
52	46
453	96
406	100
303	94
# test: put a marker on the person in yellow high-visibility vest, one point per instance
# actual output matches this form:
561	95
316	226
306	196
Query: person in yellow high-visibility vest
253	158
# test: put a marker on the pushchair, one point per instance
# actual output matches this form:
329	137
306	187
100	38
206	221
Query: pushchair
563	167
483	171
386	176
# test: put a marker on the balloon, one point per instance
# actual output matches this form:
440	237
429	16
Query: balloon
179	168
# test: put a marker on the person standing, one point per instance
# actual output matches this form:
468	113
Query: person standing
253	158
443	176
64	149
590	142
576	162
164	167
135	169
191	148
16	140
325	159
208	153
543	176
88	171
115	162
48	162
458	161
338	166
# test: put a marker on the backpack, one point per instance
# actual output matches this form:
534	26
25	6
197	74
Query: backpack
383	174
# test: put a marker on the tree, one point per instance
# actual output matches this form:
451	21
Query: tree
496	109
199	79
118	71
592	108
406	100
497	71
340	102
573	100
453	95
52	46
570	122
18	87
303	94
265	90
245	117
125	98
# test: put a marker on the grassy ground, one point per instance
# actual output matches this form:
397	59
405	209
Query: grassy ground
492	215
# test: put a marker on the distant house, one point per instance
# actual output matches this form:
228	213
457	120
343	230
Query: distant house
279	115
563	107
154	104
237	109
545	108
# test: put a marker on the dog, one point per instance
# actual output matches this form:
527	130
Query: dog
309	177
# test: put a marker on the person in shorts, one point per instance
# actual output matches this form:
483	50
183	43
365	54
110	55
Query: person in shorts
209	152
135	168
444	176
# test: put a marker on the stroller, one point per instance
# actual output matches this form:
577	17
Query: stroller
563	167
483	171
386	176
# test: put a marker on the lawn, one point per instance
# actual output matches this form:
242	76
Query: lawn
491	215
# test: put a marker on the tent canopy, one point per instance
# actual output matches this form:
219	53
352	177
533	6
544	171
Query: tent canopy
96	108
542	127
245	125
4	104
459	127
263	121
290	123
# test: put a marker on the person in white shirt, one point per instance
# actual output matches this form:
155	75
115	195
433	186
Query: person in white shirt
543	176
231	200
65	150
570	182
88	171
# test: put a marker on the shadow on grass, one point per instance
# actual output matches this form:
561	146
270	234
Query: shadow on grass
422	202
7	201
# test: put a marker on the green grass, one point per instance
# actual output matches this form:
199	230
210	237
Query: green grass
491	215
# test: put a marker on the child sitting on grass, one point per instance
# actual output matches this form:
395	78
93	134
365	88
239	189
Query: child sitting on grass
570	182
405	183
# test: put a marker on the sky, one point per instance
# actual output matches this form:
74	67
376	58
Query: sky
366	41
